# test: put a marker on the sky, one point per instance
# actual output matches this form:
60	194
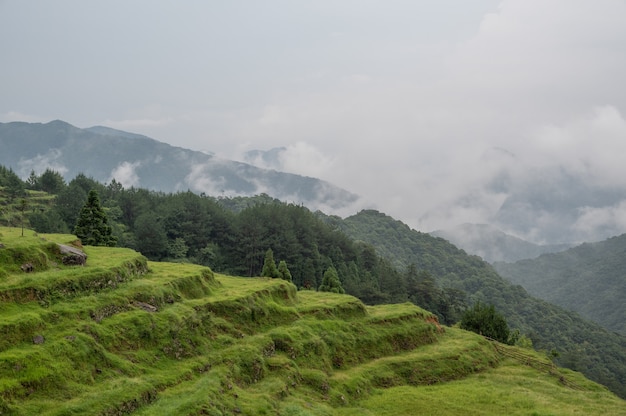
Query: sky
436	112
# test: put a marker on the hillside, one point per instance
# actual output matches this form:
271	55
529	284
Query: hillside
589	279
494	245
134	160
121	335
582	345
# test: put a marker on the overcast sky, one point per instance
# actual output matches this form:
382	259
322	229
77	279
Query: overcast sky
421	107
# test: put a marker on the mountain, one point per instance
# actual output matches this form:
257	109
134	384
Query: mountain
494	245
120	335
589	279
135	160
582	345
264	158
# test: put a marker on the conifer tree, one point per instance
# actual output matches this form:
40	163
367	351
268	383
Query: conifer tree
269	265
283	271
92	225
331	282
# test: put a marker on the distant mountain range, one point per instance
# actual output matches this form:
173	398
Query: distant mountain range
589	279
135	160
494	245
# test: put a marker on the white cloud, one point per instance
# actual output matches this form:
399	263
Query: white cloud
594	223
304	159
404	105
126	174
592	146
51	160
201	180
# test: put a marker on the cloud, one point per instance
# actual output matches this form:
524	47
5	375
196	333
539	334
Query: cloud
596	223
485	112
126	174
51	160
201	179
592	146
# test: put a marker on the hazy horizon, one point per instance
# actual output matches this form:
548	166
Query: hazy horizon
437	113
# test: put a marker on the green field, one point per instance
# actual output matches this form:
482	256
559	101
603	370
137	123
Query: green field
122	335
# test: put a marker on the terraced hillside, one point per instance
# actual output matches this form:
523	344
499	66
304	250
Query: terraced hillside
121	335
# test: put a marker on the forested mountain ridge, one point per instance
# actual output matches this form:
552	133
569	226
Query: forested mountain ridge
589	279
494	245
233	236
135	160
581	344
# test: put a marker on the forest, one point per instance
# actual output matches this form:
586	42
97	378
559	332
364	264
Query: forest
377	259
231	235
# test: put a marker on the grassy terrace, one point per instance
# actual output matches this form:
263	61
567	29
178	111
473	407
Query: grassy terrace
121	335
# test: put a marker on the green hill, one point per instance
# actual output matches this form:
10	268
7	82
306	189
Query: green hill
582	345
122	335
589	279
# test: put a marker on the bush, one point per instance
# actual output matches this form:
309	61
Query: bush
484	320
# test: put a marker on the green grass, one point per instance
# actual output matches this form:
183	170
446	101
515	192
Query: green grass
125	336
509	389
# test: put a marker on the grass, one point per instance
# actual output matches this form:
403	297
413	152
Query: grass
509	389
125	336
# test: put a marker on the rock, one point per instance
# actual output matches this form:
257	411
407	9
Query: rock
38	339
72	256
145	306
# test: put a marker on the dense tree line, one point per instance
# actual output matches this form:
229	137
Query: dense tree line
235	236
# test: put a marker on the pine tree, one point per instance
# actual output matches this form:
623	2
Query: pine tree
92	225
330	282
283	271
269	265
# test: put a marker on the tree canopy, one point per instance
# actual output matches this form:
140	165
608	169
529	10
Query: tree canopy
484	320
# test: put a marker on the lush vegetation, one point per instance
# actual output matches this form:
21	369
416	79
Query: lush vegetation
235	236
486	321
589	279
377	259
580	344
123	335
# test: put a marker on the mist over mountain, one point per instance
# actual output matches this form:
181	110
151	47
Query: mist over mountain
136	160
551	204
494	245
559	204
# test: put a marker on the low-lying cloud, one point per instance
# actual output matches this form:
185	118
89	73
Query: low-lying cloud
126	174
52	160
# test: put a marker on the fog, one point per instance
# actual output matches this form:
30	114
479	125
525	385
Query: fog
438	113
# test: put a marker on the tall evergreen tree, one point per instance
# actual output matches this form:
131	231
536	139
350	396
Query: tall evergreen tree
331	282
269	265
92	225
283	271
